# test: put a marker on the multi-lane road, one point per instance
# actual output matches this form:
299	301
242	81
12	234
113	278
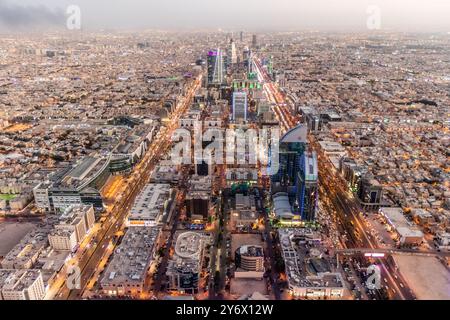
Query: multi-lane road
91	257
347	208
349	214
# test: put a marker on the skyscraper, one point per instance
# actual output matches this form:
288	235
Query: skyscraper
291	149
307	186
232	53
242	36
248	59
250	63
240	106
254	41
216	67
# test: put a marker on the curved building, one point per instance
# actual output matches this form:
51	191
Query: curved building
250	258
189	245
185	266
291	149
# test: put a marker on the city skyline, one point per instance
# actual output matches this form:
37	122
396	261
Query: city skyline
223	164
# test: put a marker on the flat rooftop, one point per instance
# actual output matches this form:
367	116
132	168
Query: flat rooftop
150	203
18	280
331	146
304	266
251	251
83	168
74	212
189	245
396	218
28	248
132	257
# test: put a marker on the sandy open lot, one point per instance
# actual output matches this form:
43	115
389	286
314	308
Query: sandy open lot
426	276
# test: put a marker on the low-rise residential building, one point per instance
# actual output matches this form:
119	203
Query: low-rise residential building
25	254
407	233
74	224
21	285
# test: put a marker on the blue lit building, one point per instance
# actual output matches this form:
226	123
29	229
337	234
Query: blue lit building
216	67
291	149
307	186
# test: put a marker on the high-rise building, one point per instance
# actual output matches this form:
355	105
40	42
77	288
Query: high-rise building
197	205
307	186
254	41
291	149
240	105
270	65
242	36
248	59
198	197
216	67
202	169
250	64
246	55
232	53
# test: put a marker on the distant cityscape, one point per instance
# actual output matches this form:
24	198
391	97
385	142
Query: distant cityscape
104	194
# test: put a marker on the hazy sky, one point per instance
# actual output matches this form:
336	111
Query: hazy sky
339	15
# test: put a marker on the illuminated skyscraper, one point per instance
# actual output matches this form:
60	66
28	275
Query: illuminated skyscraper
232	53
248	59
216	67
250	63
291	149
240	106
307	186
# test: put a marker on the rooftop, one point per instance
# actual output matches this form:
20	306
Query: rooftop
17	280
251	251
26	251
305	267
189	245
132	257
150	203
